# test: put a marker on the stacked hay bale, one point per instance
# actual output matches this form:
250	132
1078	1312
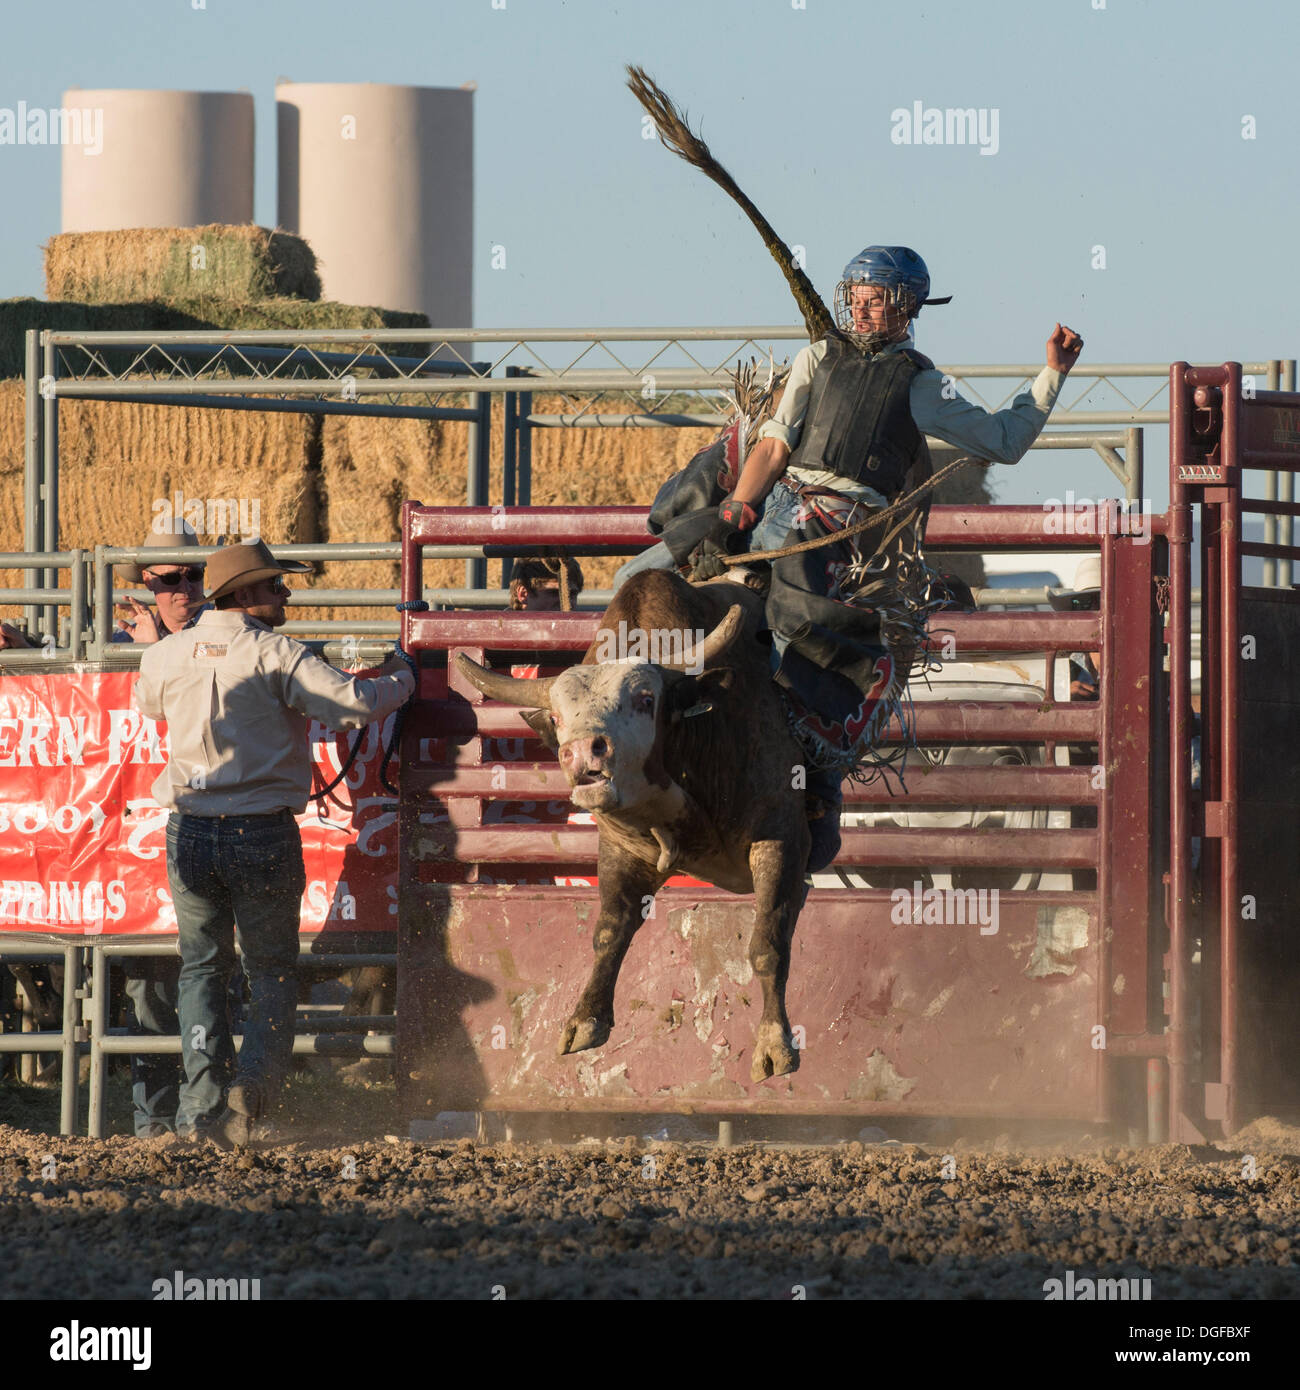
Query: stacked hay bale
370	466
119	461
236	264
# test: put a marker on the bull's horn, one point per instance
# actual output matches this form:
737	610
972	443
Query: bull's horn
722	636
535	693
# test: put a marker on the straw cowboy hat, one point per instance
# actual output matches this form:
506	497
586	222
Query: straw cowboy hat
238	565
162	540
1087	588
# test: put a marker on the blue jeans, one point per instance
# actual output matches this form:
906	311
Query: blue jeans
775	520
770	533
657	557
152	986
233	874
773	528
155	1077
780	504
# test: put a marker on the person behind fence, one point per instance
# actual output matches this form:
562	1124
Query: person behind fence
538	583
152	982
237	698
177	590
848	438
1085	668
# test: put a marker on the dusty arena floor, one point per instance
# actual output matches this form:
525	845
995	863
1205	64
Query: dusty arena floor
644	1218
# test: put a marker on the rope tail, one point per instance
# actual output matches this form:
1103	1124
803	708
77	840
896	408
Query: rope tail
677	136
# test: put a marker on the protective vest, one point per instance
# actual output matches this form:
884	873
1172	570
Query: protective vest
859	422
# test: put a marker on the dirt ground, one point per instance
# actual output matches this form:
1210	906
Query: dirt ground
643	1217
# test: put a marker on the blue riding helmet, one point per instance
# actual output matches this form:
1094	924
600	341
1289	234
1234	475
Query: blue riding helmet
896	268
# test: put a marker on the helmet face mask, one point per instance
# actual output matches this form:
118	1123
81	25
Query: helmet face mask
902	276
873	325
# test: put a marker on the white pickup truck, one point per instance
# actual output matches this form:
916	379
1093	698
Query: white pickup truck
1009	678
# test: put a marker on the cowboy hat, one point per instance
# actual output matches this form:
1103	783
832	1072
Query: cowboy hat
238	565
1087	588
162	540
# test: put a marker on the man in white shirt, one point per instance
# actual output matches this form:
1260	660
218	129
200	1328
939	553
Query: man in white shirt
237	698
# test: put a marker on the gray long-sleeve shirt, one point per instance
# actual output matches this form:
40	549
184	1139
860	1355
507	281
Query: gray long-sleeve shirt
1003	435
237	697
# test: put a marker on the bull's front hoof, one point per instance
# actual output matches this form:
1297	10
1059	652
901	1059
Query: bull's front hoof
774	1054
581	1033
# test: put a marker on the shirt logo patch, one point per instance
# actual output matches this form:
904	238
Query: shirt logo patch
209	651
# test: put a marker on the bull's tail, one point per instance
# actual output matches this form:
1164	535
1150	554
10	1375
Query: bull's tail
677	136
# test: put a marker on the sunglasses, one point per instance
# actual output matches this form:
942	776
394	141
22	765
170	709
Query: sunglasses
192	574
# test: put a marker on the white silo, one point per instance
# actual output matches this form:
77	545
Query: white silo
168	159
380	181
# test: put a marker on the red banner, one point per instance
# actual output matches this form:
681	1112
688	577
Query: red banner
82	841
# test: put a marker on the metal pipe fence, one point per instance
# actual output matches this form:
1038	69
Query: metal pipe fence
292	369
85	1029
86	633
388	371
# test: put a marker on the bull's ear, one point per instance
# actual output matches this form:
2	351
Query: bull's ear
539	721
692	695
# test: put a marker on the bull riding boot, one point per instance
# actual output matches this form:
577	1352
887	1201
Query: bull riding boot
823	800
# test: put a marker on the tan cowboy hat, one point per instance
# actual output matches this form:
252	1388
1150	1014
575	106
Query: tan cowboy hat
237	565
162	540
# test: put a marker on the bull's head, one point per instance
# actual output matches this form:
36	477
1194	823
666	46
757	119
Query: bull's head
606	720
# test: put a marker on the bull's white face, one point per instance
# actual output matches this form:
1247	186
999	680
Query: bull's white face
606	720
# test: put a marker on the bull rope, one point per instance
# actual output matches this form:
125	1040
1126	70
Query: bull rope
859	527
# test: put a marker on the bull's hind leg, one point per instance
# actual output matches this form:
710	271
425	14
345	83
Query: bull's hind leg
778	898
627	889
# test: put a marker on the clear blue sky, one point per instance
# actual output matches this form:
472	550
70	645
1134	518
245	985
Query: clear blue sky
1119	127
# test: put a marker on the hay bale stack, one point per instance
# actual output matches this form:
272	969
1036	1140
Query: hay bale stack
18	315
370	466
120	462
11	477
209	311
168	263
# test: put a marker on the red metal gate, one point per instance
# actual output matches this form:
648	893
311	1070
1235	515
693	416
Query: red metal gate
1243	909
894	1016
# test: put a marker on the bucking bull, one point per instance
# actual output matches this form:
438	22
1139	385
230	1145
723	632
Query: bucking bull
688	768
